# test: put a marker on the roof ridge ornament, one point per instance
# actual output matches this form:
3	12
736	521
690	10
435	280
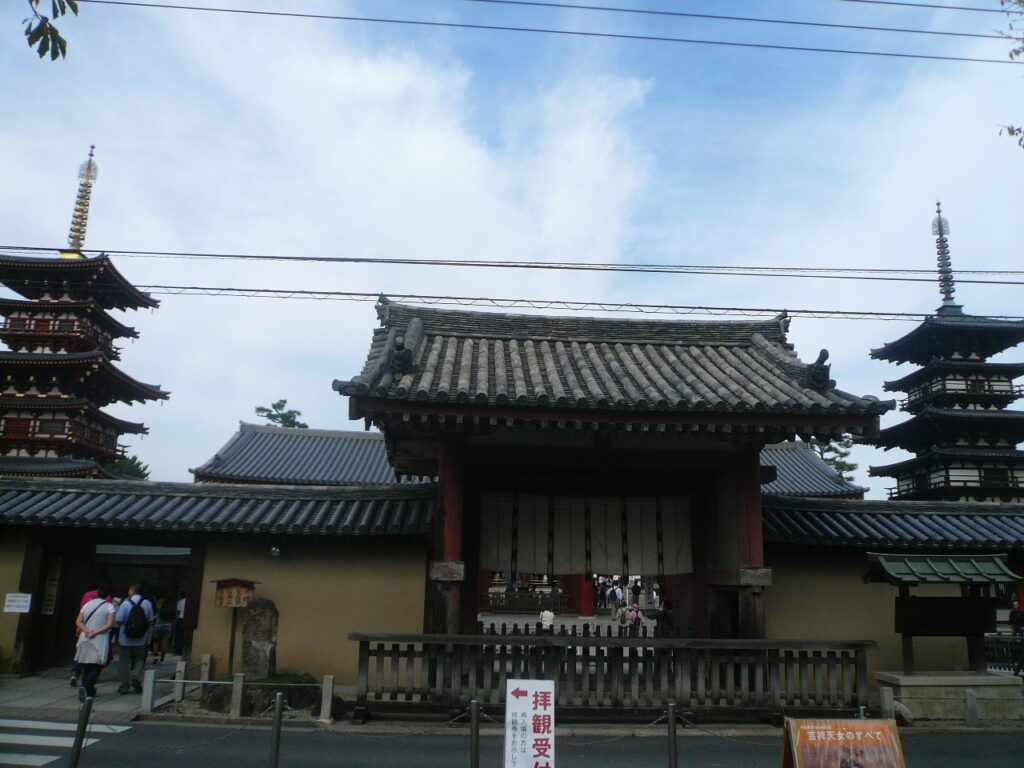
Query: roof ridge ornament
817	374
87	173
947	284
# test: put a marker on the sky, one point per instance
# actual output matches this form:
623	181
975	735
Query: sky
229	133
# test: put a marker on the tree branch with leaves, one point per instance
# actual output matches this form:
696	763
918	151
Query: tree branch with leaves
1015	32
834	453
40	31
278	413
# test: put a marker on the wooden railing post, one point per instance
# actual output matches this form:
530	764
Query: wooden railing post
360	711
862	676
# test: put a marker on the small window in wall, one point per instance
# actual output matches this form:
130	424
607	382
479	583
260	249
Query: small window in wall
995	476
17	323
42	325
66	326
921	483
976	386
52	426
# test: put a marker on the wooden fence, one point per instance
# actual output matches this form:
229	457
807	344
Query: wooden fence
1003	652
728	678
527	602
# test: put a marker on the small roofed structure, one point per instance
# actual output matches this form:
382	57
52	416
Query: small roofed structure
971	615
259	453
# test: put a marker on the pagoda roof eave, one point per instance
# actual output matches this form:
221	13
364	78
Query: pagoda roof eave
140	391
906	349
1010	370
115	328
940	455
897	435
15	268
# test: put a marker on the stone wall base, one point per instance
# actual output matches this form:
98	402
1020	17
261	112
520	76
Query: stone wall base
941	695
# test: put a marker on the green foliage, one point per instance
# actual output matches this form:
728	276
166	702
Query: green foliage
40	32
277	414
130	466
1015	32
835	453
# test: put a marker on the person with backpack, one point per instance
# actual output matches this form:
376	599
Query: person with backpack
134	618
162	631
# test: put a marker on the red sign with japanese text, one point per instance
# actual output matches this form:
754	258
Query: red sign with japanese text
842	744
530	724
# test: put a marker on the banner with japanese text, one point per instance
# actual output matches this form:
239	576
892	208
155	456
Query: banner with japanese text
842	744
530	724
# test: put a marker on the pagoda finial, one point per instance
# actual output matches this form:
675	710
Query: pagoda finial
87	172
947	286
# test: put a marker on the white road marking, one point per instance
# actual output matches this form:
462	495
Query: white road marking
31	740
15	759
43	725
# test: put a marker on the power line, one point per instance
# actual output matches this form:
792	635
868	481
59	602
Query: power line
813	273
554	31
717	17
546	304
929	6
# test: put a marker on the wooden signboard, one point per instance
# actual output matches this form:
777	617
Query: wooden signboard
842	744
447	570
234	593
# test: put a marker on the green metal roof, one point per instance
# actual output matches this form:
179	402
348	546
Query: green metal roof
908	570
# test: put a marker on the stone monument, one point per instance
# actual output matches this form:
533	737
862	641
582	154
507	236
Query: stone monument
259	638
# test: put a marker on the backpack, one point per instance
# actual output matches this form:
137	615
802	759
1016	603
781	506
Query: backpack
622	616
138	623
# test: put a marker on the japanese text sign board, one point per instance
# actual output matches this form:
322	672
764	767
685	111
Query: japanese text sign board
842	743
234	593
530	724
18	602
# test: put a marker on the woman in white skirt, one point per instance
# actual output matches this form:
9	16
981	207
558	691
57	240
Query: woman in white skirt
93	648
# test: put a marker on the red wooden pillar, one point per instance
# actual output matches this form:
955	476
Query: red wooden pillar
579	591
451	476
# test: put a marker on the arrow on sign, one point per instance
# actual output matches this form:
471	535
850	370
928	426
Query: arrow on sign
519	693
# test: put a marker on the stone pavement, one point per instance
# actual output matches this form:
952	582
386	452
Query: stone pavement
49	694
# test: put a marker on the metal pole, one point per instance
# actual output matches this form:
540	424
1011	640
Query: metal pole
474	734
231	648
84	711
275	739
673	754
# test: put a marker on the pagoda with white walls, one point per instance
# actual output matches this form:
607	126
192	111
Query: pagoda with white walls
59	372
962	433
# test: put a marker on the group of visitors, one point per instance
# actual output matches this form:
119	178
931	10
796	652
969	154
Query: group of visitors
138	624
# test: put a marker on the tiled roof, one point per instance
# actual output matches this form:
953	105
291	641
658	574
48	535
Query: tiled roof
909	570
222	509
32	466
30	276
66	405
267	454
489	359
936	337
870	524
802	472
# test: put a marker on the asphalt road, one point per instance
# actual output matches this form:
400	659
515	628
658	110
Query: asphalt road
162	745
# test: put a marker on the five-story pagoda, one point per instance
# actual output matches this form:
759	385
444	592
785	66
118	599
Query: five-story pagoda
59	373
962	434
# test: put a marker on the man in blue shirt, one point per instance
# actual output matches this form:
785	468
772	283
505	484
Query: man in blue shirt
133	639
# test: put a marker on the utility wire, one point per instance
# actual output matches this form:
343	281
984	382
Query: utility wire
929	6
812	273
546	304
716	17
554	31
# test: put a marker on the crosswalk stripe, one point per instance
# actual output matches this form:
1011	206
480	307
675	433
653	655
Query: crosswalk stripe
31	740
43	725
16	759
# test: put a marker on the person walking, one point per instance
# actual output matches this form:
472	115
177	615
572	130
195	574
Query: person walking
179	625
76	668
134	618
162	631
93	647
